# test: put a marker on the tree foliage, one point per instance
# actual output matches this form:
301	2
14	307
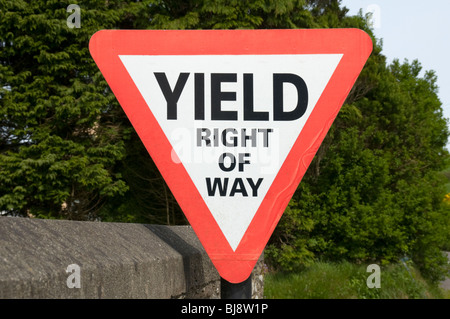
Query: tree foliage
372	193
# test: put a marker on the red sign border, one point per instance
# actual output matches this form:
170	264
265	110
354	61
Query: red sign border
355	45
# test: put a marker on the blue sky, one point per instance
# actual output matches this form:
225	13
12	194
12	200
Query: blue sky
413	29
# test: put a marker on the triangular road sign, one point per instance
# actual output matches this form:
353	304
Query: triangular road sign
232	119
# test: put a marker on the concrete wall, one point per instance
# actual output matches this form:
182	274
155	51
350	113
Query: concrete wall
115	261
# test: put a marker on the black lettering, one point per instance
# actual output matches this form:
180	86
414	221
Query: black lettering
203	137
302	92
217	185
171	96
249	113
216	137
254	186
243	161
217	96
233	142
251	137
222	162
199	96
238	187
265	132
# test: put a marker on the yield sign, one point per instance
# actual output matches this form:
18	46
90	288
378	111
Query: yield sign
232	119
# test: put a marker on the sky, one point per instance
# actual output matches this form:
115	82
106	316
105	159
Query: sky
413	29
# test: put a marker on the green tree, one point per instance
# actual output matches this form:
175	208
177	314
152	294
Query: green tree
374	191
60	125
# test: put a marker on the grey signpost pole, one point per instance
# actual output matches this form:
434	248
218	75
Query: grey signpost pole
241	290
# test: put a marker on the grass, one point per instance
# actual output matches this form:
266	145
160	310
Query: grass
446	294
348	281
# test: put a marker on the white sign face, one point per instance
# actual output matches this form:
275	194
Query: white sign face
232	120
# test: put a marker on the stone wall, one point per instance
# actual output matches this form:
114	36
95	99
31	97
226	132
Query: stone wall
38	259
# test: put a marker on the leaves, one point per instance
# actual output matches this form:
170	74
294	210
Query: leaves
57	143
374	190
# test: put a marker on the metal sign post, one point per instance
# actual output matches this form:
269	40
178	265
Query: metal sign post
242	290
